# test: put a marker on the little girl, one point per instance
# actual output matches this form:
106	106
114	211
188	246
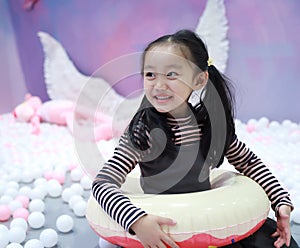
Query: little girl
176	143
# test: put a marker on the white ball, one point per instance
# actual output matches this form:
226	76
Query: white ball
49	237
74	199
76	174
16	234
54	188
105	244
37	205
33	243
25	190
295	216
13	184
67	194
14	245
64	223
37	193
3	230
11	192
36	220
20	222
14	205
77	188
3	240
80	208
86	182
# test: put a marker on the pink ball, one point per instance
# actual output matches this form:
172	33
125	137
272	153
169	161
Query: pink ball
250	128
21	213
59	176
48	175
5	213
24	200
72	166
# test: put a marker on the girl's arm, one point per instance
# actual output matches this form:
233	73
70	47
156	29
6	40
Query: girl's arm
106	186
246	162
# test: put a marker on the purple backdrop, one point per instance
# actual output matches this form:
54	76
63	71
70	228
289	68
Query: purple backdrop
264	44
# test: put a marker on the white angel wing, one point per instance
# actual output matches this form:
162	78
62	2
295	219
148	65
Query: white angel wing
212	28
64	81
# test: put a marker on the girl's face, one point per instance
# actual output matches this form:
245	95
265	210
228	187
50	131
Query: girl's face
169	79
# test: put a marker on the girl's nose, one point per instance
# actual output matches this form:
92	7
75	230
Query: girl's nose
160	82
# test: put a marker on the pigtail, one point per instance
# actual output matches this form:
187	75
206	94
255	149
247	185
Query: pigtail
217	117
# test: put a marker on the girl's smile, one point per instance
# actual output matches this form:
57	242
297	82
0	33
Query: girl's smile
169	79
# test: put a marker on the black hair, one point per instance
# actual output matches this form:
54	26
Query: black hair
217	135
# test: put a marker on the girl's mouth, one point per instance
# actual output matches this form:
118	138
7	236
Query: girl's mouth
162	99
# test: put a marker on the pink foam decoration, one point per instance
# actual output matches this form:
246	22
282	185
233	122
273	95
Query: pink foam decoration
24	200
21	213
5	213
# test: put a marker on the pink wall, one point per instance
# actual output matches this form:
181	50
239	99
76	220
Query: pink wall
264	45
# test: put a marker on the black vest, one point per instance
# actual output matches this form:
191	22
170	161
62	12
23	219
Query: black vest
174	170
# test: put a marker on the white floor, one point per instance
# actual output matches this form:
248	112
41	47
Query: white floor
26	160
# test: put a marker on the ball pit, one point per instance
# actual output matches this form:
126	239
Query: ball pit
276	143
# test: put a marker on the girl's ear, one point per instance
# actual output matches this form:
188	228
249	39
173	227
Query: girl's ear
200	80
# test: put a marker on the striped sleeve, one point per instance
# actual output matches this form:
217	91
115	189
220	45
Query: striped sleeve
106	186
246	162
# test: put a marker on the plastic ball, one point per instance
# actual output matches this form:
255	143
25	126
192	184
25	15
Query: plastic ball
4	240
33	243
24	200
295	215
25	190
13	184
3	229
86	182
5	199
14	245
14	205
67	194
5	213
59	176
20	222
11	192
77	188
36	220
105	244
74	199
17	234
37	205
64	223
80	208
76	174
38	193
49	237
54	188
21	213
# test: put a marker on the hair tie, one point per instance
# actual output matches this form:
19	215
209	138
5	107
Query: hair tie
209	62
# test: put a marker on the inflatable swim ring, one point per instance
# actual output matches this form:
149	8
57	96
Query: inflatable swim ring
234	208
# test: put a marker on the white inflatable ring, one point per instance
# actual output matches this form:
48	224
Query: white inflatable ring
234	208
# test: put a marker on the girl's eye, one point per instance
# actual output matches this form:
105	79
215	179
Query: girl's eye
172	75
149	75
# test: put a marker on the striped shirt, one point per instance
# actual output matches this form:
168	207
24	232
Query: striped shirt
106	186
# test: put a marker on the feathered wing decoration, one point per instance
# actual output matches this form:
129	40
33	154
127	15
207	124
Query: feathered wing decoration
212	28
64	81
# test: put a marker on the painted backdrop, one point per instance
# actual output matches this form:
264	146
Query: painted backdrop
264	45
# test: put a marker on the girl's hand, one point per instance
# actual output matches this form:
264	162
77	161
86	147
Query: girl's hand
148	230
283	231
